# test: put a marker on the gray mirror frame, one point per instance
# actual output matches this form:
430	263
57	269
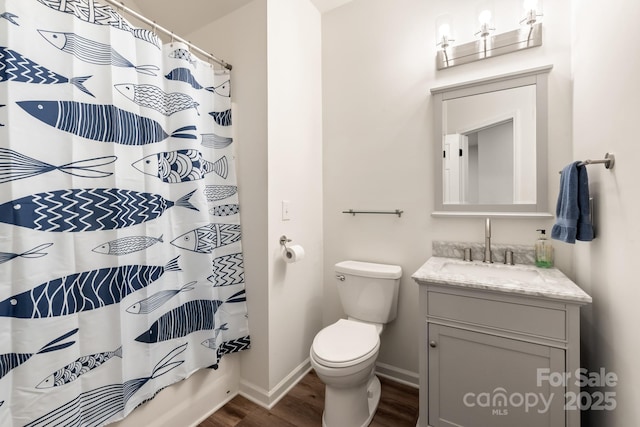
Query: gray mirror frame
539	78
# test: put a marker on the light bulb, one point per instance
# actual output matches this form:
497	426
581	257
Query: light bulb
530	5
485	17
444	31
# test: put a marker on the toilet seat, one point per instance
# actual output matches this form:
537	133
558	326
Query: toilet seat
345	343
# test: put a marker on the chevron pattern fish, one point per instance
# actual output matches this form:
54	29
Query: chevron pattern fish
32	253
181	166
215	193
151	96
80	292
227	270
192	316
205	239
92	209
223	118
93	52
106	123
156	300
127	245
95	407
232	346
77	368
95	13
225	210
10	361
211	140
184	55
18	68
184	75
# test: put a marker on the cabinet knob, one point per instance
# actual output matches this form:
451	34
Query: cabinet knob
433	344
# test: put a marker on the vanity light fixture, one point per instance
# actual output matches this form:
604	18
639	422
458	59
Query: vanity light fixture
489	44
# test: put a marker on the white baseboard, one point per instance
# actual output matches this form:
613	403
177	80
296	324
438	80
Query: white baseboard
402	376
268	399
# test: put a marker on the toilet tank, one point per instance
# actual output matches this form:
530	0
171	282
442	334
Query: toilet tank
369	291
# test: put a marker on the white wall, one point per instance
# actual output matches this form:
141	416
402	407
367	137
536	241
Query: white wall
605	114
378	67
295	175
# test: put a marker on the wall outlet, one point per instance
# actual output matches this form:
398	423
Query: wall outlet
286	210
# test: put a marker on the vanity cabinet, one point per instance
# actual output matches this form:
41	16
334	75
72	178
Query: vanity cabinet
492	357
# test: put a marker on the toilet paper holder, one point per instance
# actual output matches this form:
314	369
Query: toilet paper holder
284	240
291	254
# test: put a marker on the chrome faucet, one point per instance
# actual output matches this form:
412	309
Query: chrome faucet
487	242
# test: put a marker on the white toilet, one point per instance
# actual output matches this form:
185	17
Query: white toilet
344	354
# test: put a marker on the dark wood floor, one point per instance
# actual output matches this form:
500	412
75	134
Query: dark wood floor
302	407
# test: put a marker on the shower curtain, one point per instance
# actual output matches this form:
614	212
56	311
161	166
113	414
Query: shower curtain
121	267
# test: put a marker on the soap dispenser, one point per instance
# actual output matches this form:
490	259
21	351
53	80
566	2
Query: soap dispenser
544	250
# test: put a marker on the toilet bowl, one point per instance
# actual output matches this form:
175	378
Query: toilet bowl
344	356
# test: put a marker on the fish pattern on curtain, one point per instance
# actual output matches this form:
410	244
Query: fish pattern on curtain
120	241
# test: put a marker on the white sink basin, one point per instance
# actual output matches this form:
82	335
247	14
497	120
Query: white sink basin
491	271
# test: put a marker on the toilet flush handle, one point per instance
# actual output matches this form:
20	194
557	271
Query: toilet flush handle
340	277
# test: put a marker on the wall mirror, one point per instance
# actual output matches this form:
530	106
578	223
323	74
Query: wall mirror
491	146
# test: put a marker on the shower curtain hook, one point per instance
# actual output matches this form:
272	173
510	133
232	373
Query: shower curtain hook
172	39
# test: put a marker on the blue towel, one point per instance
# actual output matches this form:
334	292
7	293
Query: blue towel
573	219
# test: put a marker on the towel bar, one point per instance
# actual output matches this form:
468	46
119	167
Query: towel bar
608	161
396	212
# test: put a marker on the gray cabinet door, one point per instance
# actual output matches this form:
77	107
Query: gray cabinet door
481	380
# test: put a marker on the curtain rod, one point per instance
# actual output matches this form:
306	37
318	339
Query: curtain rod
155	26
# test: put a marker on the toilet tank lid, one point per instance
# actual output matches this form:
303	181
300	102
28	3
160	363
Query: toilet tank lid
369	269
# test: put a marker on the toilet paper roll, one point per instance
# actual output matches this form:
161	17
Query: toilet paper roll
293	253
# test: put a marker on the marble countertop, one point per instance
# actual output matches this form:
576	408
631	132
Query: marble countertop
551	283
